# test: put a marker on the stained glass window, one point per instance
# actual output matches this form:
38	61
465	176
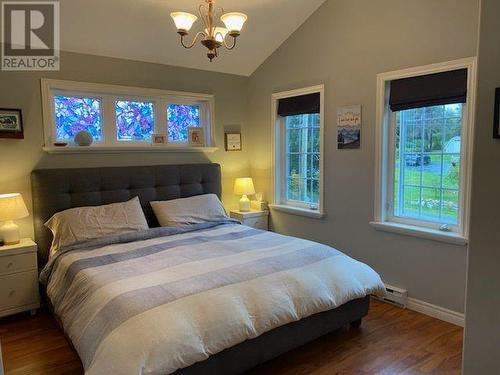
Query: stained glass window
74	114
134	120
179	118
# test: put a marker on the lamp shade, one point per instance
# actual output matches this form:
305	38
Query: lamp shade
244	186
183	21
12	207
234	21
219	33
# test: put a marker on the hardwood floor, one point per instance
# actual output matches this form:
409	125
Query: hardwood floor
390	341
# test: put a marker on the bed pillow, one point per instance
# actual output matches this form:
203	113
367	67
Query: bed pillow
186	211
85	223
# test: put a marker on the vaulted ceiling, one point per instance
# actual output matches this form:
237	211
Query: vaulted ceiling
143	30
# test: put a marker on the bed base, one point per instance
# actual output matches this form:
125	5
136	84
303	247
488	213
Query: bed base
269	345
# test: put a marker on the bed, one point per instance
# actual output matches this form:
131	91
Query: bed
229	292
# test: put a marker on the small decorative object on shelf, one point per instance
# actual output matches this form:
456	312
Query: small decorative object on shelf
158	139
11	123
84	138
233	142
244	186
60	144
196	136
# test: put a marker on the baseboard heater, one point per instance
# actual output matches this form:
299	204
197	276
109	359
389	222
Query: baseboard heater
395	296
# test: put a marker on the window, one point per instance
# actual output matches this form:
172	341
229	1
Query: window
423	157
74	114
427	163
134	120
180	117
298	121
121	117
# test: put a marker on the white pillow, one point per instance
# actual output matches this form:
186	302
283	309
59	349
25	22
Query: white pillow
185	211
84	223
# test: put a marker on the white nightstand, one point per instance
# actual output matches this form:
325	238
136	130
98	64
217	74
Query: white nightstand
18	278
254	219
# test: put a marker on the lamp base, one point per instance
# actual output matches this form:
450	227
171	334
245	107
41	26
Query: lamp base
244	203
9	233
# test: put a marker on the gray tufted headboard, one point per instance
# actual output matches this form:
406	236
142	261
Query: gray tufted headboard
55	190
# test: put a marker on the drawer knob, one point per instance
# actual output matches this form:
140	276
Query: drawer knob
10	264
11	293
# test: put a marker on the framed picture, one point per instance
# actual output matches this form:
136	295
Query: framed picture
196	136
158	139
349	127
496	125
11	123
233	141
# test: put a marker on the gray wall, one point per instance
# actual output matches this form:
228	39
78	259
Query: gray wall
22	90
344	44
482	332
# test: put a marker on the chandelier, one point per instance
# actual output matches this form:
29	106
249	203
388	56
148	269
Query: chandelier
213	37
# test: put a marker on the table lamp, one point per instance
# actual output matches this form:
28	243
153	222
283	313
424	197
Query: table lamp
12	207
244	186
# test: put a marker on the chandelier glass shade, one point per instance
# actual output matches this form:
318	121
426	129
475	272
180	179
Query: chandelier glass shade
213	37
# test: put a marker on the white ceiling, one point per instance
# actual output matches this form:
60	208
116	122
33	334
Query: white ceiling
143	30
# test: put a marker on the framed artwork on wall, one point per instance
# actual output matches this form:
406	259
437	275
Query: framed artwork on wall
496	125
233	141
11	123
349	127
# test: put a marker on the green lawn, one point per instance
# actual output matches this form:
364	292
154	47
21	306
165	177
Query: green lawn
429	176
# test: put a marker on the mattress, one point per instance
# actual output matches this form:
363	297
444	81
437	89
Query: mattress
157	301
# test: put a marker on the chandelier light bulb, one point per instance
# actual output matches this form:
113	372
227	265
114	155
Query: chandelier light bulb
219	33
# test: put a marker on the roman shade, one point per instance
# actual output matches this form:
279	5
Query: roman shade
429	90
299	105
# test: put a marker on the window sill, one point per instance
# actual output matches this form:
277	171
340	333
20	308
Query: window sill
414	231
123	149
298	211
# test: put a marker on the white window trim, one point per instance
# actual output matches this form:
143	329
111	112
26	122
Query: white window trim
382	156
110	92
277	156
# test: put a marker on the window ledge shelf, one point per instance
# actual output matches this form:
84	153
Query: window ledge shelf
298	211
124	149
414	231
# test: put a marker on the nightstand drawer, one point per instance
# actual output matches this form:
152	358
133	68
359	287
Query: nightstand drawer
20	289
19	262
256	222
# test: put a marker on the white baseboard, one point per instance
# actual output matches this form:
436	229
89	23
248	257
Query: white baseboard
437	312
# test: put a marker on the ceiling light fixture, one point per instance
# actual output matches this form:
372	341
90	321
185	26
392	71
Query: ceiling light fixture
213	37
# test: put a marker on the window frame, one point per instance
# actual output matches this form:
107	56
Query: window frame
109	94
279	156
384	219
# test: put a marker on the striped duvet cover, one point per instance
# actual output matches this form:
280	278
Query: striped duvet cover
163	299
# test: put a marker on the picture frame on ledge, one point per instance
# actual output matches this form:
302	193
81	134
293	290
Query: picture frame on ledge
233	141
496	124
11	123
196	137
158	139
